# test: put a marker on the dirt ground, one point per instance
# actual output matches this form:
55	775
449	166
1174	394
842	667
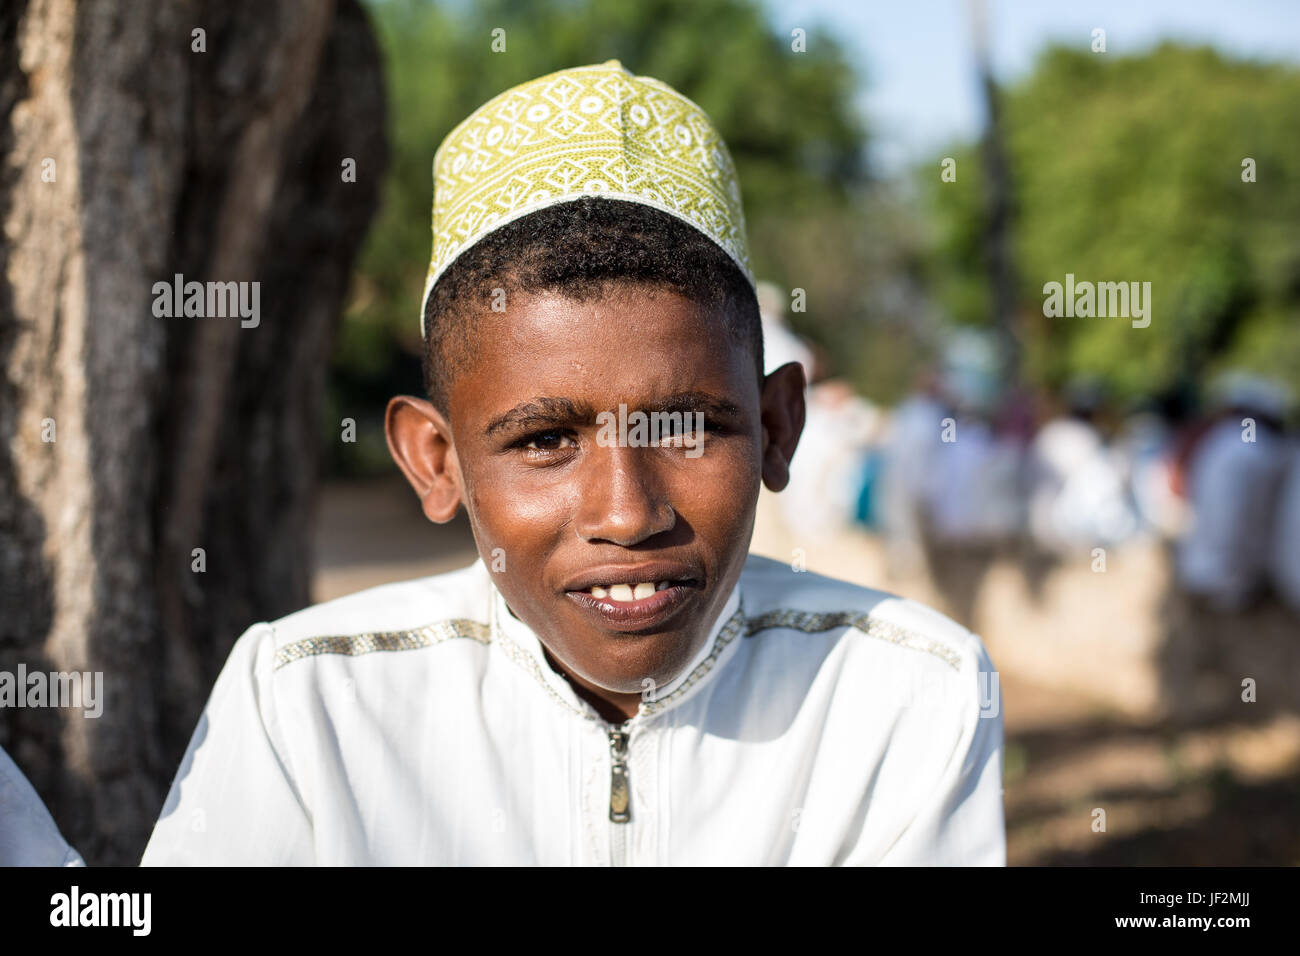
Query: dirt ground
1122	702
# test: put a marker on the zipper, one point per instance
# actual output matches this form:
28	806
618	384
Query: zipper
620	793
620	790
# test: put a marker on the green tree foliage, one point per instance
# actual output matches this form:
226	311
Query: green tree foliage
787	117
1130	169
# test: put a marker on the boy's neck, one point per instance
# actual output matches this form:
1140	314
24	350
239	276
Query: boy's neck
614	708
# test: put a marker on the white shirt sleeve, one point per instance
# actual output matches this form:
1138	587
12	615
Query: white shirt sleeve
28	834
234	800
960	821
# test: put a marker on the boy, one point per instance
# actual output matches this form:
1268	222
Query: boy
615	681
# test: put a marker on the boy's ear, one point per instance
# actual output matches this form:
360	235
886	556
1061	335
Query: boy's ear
781	409
419	439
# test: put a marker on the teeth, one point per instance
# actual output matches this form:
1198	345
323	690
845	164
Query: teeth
628	592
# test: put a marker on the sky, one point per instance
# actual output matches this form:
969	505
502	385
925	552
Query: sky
918	69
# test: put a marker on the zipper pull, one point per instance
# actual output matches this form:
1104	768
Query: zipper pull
620	793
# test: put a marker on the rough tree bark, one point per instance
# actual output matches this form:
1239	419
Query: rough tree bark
170	434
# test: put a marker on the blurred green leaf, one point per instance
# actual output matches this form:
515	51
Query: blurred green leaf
1129	169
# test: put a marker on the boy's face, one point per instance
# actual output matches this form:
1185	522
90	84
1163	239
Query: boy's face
560	509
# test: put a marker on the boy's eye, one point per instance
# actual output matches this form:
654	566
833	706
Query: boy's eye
678	435
548	441
686	433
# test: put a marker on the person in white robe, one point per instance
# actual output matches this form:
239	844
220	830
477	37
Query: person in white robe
789	718
420	723
1285	555
913	447
1080	497
28	834
826	478
780	344
1233	484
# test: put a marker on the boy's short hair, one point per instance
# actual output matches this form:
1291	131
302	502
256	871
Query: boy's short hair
580	249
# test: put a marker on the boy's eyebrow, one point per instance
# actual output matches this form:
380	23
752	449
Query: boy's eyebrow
553	411
686	402
546	410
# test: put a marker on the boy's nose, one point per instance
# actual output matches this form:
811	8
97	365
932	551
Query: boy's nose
622	500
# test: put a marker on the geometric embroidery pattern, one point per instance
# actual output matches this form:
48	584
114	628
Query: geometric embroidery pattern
353	645
812	622
590	130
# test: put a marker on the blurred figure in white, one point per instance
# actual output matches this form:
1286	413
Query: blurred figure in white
1233	484
1146	443
1286	533
826	474
910	450
1079	498
28	834
974	486
780	345
974	489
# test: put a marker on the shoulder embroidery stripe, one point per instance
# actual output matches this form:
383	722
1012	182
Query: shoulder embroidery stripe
353	645
811	622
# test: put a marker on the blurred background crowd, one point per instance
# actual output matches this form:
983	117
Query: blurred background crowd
1065	475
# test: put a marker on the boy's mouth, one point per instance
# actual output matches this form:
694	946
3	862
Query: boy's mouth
634	598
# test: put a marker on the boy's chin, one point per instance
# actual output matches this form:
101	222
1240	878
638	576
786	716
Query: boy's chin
641	663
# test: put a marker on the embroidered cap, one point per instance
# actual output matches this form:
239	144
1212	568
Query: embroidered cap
586	131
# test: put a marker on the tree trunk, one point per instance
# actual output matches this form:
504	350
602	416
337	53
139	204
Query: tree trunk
128	441
998	240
